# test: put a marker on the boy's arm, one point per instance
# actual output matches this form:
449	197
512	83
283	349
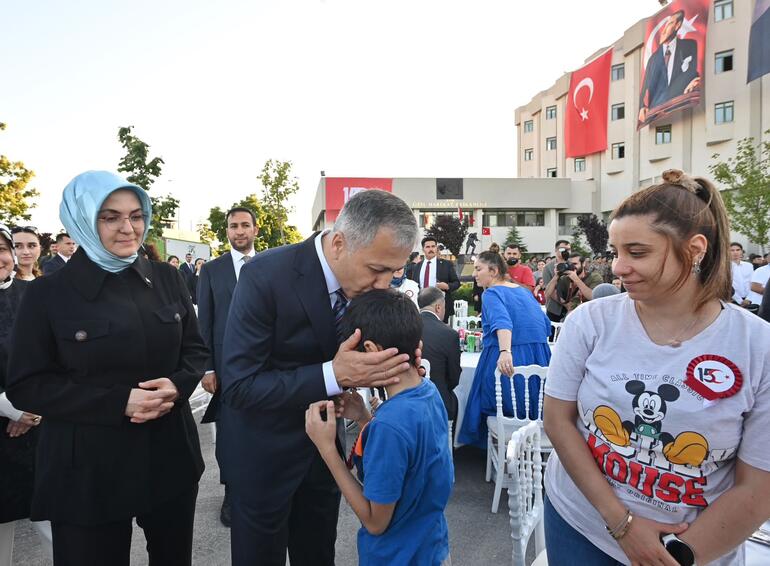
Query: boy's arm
374	516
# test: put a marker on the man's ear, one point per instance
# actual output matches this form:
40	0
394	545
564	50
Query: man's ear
370	346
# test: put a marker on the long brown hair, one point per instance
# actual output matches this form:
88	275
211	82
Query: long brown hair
682	207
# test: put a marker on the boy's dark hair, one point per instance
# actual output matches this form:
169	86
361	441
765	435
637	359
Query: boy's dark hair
387	318
736	244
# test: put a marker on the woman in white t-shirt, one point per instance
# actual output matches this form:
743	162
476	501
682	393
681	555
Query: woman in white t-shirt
658	400
403	284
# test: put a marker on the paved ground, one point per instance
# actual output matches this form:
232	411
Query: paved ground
477	537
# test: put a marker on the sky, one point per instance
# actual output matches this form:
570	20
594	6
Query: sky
415	88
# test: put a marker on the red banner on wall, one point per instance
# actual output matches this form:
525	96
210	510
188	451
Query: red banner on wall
585	121
339	190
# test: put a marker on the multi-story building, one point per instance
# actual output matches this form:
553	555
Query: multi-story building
730	110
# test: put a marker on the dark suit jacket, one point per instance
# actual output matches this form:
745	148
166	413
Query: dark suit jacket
53	264
215	291
441	347
445	273
656	77
83	338
279	332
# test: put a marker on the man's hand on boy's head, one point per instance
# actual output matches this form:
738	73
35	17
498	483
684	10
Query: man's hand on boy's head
367	369
350	405
322	432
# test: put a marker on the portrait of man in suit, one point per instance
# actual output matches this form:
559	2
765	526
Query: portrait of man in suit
672	70
283	350
436	272
440	346
215	291
65	247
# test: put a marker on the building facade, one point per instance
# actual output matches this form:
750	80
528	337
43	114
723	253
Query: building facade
730	110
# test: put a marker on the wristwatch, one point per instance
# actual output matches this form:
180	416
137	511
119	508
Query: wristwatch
679	550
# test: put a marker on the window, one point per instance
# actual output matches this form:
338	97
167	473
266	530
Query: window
529	125
618	111
449	189
723	10
550	113
723	112
529	154
493	218
428	218
550	143
618	72
580	164
568	221
618	150
663	134
723	61
550	173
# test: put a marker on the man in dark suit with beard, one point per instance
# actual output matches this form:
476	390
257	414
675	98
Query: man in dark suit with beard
672	70
215	291
282	352
436	272
440	346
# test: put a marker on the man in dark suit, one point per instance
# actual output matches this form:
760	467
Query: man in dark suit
187	269
672	69
436	272
440	346
65	247
282	352
215	291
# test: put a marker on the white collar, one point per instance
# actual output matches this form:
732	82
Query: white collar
238	255
64	257
332	285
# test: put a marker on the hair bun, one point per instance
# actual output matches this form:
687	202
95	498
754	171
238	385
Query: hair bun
680	178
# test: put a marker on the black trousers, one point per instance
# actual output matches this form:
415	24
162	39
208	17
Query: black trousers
306	524
167	528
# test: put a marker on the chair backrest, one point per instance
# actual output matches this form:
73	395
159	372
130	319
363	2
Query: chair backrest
525	490
529	373
556	330
461	308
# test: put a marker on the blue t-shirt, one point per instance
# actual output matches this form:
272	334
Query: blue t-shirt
407	461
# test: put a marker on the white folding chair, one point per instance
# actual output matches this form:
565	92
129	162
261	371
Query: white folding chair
556	326
525	492
500	427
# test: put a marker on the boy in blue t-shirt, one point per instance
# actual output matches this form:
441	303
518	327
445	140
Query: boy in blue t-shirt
407	465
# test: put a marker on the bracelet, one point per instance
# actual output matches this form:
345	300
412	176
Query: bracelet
622	528
501	351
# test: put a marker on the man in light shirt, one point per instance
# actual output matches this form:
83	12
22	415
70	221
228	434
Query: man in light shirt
742	272
759	281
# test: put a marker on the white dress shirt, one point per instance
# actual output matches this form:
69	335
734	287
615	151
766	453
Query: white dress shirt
672	50
761	276
239	259
432	276
64	257
332	286
742	273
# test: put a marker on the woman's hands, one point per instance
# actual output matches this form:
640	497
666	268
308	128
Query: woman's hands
642	544
505	363
322	432
22	426
152	400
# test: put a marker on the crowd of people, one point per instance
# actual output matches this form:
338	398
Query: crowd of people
657	401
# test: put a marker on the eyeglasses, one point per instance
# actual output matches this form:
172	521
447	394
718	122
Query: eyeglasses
115	222
27	229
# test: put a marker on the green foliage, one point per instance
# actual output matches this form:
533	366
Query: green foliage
144	172
514	239
464	293
15	195
576	245
278	186
595	231
747	196
449	231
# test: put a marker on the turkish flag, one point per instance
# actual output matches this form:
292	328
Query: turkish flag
486	231
585	121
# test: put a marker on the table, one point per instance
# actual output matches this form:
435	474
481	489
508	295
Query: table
468	362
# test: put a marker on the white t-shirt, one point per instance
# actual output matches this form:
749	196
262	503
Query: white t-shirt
409	288
605	361
742	273
761	276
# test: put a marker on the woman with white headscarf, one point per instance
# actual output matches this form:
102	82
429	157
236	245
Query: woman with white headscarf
107	351
18	435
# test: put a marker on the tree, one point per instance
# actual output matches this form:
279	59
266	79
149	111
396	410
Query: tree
278	187
576	245
144	172
514	239
449	231
595	231
747	196
15	195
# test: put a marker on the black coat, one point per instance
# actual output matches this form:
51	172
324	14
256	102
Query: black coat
54	264
445	273
83	339
17	455
215	291
441	347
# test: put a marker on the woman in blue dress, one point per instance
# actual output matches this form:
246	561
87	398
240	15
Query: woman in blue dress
515	334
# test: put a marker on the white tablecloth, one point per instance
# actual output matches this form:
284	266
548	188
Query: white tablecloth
468	361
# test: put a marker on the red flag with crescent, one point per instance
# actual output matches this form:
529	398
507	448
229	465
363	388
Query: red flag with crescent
585	117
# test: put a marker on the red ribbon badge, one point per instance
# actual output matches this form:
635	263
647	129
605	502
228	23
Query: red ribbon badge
713	377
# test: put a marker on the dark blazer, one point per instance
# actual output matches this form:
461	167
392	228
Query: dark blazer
83	338
216	283
53	264
656	77
445	273
441	347
279	332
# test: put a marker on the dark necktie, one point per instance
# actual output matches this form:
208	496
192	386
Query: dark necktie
667	57
338	310
426	280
